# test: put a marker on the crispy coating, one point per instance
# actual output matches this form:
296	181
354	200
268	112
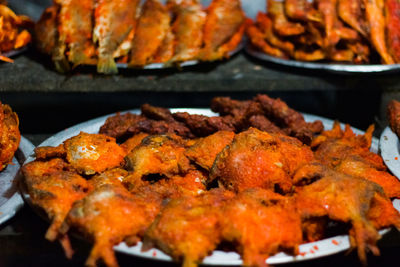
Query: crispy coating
189	228
282	25
109	215
301	10
260	159
133	142
254	220
117	126
350	11
393	115
206	149
157	154
54	187
46	30
112	176
10	135
392	12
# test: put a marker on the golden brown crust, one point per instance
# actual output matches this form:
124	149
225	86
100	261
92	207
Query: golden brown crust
9	135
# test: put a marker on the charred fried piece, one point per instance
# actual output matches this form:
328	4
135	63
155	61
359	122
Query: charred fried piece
151	30
375	17
46	30
285	117
189	228
54	188
346	199
393	115
157	154
10	135
114	19
117	126
205	150
259	159
75	27
392	16
188	28
350	11
282	25
267	213
223	29
161	127
110	215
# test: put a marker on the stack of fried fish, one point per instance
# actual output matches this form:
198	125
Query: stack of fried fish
258	180
101	32
352	31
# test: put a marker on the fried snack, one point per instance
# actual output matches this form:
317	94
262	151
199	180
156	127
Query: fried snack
11	36
133	142
114	19
346	199
54	187
301	10
109	215
266	213
350	11
281	24
152	27
393	115
223	29
392	18
46	30
189	228
117	126
9	135
259	159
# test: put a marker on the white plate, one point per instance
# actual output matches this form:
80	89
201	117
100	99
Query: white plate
10	199
331	67
308	251
389	146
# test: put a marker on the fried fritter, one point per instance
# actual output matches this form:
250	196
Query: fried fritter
133	142
189	228
10	135
260	159
46	30
392	8
254	220
282	25
393	115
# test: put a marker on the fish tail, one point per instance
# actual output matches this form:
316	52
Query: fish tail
60	61
107	65
77	56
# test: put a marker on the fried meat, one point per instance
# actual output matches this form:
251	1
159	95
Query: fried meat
10	135
393	115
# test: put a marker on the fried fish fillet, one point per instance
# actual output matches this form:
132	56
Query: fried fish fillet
10	135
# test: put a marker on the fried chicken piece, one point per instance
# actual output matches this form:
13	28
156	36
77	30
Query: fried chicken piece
75	26
87	153
351	12
110	215
223	29
54	187
285	117
346	199
376	20
151	29
157	154
114	19
301	10
117	126
188	228
260	159
393	115
46	30
392	17
206	149
284	27
254	220
10	135
188	28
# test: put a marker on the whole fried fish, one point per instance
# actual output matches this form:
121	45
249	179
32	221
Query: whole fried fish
75	28
46	30
114	19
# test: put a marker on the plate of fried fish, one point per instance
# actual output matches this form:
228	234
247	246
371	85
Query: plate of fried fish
243	183
353	36
132	34
14	150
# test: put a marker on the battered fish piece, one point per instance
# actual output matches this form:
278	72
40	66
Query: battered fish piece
151	30
46	30
54	186
157	154
110	215
392	21
10	135
282	25
187	28
114	19
87	153
224	23
113	177
206	149
133	142
260	159
393	115
253	221
350	11
189	228
301	10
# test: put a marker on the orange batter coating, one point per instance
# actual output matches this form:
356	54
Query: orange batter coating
260	159
133	142
254	220
189	228
9	135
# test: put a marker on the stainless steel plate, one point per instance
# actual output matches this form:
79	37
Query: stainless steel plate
10	199
330	67
390	146
308	251
13	53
